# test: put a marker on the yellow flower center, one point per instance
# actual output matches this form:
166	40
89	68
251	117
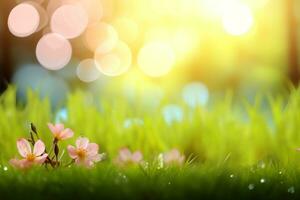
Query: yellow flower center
57	136
30	157
81	153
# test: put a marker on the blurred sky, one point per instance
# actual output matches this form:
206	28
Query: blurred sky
237	44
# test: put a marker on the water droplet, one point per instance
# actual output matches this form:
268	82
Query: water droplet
280	172
251	186
291	190
232	176
262	180
261	164
5	168
160	161
145	165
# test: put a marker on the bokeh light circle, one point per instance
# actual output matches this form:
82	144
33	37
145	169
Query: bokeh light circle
94	9
23	20
195	94
87	71
44	18
35	1
53	51
116	62
172	114
156	59
69	20
40	80
237	19
101	36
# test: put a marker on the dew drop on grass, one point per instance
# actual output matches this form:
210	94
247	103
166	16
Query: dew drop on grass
291	190
251	186
160	160
145	165
5	168
261	164
262	180
232	176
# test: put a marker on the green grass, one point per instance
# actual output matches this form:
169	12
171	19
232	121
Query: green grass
234	145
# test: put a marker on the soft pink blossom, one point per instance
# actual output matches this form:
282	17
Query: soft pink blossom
173	157
126	157
59	132
85	153
37	156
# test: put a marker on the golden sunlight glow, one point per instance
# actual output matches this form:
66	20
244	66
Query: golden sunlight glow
156	59
237	19
100	36
116	62
154	36
128	29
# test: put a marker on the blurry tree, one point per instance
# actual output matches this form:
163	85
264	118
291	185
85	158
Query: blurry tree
294	71
5	64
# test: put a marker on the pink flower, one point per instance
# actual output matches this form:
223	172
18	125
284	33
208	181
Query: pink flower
59	132
126	157
173	157
37	156
85	153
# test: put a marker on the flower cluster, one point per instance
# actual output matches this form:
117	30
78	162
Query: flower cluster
85	153
34	152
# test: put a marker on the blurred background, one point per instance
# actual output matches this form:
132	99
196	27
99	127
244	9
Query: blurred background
204	45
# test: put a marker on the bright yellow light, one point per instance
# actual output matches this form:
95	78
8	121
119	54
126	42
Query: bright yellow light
237	19
116	62
156	59
127	28
184	41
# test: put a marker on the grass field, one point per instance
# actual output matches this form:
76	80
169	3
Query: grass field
236	149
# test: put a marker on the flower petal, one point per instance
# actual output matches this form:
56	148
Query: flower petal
124	154
66	134
137	157
92	149
23	147
15	163
96	157
55	129
82	143
20	164
72	152
39	148
88	163
78	161
40	159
